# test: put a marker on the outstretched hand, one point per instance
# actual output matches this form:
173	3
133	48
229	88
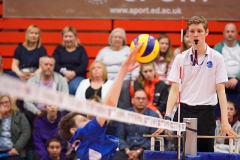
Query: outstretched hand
130	62
226	128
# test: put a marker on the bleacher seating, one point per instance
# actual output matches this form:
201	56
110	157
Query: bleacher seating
92	33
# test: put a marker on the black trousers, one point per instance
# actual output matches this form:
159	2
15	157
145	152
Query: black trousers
206	125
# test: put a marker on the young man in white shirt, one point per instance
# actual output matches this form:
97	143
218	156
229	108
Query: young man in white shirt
204	73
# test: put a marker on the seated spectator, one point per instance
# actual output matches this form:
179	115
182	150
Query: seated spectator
156	90
46	78
164	60
26	56
45	127
71	59
112	57
54	147
14	129
230	50
98	83
131	140
186	43
221	144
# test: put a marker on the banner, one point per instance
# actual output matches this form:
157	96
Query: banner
122	9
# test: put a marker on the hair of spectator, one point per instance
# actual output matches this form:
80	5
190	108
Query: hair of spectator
233	24
66	123
184	44
29	29
41	60
140	90
235	107
13	105
104	70
53	139
168	55
96	98
113	32
141	78
74	31
198	20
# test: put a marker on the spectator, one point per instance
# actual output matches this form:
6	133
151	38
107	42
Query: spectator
46	78
14	129
45	127
222	145
97	84
26	56
71	59
131	140
112	57
186	43
157	90
230	50
164	60
54	147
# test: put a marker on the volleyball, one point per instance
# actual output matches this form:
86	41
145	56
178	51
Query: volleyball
149	49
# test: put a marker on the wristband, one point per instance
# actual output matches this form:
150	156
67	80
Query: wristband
62	70
138	151
168	117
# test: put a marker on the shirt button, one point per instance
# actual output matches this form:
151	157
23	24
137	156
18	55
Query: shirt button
136	134
135	140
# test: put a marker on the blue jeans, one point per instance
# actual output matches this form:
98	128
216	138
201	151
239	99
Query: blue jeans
17	157
73	84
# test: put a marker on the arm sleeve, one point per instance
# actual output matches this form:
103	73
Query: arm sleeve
82	68
162	103
80	93
56	56
24	134
99	56
64	85
121	134
39	146
17	53
28	105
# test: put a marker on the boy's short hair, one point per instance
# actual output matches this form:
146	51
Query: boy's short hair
66	123
198	20
53	139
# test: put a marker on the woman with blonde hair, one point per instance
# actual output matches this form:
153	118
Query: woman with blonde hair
112	56
164	60
26	56
156	90
98	83
71	59
14	129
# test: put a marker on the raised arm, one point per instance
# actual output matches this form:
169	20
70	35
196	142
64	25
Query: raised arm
113	94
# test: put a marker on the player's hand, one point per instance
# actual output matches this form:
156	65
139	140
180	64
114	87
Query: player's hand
226	128
130	62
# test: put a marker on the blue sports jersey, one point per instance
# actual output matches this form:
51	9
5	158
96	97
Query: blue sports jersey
93	143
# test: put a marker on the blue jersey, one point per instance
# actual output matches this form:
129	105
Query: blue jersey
93	143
